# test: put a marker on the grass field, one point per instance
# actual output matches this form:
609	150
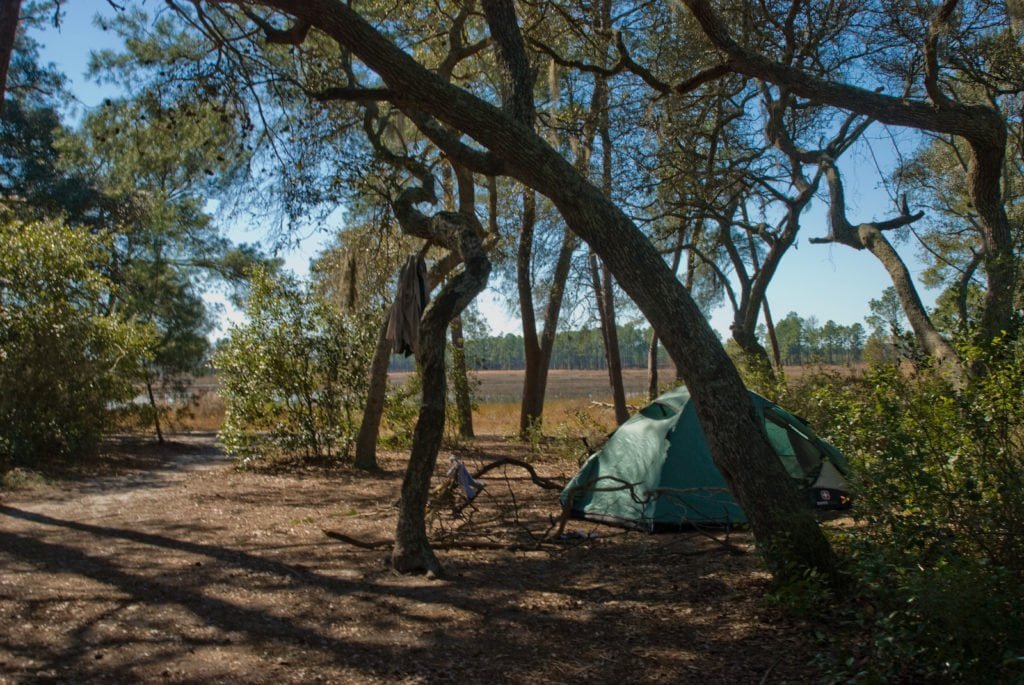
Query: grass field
563	384
573	397
497	395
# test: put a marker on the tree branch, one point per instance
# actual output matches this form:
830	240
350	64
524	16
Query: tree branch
348	94
517	76
295	35
979	123
937	26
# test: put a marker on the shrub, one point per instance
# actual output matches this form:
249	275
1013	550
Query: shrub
64	360
937	557
294	376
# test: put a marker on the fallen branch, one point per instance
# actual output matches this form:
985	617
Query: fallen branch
545	483
355	542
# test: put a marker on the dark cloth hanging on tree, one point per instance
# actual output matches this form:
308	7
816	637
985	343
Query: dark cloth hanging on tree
410	301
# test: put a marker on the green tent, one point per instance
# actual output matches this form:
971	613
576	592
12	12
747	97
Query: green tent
655	471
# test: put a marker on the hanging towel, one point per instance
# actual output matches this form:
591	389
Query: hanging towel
410	301
470	485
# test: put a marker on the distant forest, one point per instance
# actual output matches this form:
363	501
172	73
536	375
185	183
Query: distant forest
800	340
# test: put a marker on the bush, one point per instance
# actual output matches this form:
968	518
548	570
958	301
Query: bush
64	361
937	557
293	377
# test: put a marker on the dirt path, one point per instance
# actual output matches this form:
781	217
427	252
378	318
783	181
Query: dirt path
180	569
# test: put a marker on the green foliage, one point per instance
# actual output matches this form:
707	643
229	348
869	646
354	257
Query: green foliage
294	376
401	410
937	556
64	360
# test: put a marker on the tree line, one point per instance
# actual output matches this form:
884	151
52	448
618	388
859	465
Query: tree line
802	341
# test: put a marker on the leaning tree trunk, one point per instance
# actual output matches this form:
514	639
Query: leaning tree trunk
769	324
412	551
870	236
373	412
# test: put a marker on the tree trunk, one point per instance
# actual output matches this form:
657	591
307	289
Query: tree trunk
373	412
606	313
156	411
553	311
604	287
412	552
769	324
869	236
531	406
460	378
10	11
928	337
652	367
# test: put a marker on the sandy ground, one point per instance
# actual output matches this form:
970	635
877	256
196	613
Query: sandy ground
168	565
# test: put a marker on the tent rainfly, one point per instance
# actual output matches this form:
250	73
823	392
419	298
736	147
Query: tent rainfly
656	472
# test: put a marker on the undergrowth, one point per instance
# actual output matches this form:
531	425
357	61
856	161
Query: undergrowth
936	555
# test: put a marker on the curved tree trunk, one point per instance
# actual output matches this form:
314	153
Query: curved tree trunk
928	337
412	550
870	236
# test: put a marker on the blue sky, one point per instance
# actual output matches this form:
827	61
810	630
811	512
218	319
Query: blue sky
825	281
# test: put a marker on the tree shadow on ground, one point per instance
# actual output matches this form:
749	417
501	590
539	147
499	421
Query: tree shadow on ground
628	609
